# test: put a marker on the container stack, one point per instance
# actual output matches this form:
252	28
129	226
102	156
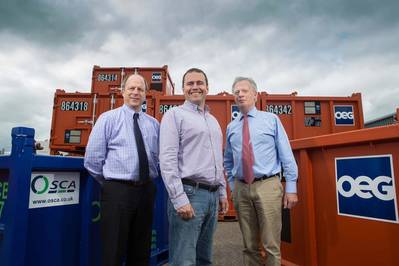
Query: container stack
74	114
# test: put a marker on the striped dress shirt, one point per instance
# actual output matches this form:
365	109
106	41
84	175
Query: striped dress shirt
111	152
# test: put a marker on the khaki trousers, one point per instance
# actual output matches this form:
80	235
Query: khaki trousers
259	214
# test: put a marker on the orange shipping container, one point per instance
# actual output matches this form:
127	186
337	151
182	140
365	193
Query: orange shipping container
71	128
307	116
107	79
347	213
74	115
302	116
222	106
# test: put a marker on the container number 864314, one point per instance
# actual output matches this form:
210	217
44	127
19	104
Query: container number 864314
74	106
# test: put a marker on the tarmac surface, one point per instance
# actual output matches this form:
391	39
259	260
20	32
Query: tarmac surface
227	245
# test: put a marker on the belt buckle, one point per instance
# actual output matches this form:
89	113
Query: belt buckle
139	183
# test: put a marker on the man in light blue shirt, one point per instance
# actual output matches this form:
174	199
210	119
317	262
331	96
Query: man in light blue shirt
257	147
191	161
122	154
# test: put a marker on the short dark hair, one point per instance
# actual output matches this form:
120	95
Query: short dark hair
197	70
123	84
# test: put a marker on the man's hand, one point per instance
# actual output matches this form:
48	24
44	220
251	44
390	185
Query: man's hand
223	205
186	212
290	200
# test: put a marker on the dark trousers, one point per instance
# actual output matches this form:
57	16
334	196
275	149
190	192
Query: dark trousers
126	223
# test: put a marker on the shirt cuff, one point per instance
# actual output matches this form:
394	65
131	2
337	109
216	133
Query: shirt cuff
180	201
97	176
99	179
222	193
231	185
290	187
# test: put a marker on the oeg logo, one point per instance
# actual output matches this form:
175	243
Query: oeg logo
235	112
344	115
156	76
40	184
366	188
144	107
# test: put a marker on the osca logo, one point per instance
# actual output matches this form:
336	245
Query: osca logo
42	184
39	184
235	112
364	187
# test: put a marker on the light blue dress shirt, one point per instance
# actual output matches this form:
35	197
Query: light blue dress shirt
111	152
270	145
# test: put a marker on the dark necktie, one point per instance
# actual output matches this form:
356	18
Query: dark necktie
247	154
143	160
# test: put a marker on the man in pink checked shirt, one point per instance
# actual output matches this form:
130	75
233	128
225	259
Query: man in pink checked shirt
191	163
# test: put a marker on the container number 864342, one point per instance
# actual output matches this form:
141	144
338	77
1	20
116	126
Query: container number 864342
74	106
280	109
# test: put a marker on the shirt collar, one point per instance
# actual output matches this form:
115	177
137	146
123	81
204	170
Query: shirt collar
131	111
194	107
251	113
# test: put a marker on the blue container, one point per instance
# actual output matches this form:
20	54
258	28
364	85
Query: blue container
50	210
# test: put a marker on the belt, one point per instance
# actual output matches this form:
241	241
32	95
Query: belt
133	183
211	188
264	177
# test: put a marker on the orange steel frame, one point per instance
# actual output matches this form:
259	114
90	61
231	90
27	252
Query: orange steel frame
304	248
354	100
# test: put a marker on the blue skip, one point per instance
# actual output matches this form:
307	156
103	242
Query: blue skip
50	210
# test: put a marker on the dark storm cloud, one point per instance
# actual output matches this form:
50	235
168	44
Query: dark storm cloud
88	23
331	48
49	22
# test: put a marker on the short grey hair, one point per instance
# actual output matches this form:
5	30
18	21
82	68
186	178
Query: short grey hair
123	84
252	83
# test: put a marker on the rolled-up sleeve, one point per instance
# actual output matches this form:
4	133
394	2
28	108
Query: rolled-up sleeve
168	158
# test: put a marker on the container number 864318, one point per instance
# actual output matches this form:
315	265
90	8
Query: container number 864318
74	106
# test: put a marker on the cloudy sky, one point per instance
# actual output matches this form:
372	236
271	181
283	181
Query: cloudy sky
329	48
